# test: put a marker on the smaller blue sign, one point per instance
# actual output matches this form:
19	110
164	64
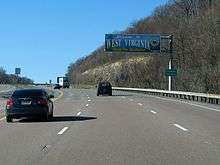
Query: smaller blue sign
17	71
132	42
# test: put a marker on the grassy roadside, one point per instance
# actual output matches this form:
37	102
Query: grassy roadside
2	107
5	87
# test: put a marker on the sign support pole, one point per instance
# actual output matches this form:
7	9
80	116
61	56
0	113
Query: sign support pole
170	62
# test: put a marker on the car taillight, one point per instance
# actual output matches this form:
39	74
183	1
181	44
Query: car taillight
42	102
9	103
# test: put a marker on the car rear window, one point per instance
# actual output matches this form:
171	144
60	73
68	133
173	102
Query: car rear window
104	84
27	93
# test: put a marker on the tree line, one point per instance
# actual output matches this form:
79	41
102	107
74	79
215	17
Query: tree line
13	79
195	25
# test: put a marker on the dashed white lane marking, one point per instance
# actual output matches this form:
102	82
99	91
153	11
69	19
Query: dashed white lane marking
140	104
2	119
78	114
87	105
62	131
153	112
89	100
131	99
180	127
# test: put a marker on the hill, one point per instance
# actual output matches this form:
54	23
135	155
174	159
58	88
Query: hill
195	26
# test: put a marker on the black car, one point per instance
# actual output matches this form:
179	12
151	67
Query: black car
57	86
29	103
104	88
66	84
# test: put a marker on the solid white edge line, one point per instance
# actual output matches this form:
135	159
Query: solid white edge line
212	109
180	127
59	97
2	118
78	114
62	131
182	101
153	112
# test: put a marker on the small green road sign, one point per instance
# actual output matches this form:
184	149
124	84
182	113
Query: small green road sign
171	72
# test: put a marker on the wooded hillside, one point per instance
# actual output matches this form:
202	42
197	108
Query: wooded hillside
195	25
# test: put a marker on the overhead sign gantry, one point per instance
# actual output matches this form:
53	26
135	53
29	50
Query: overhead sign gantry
142	43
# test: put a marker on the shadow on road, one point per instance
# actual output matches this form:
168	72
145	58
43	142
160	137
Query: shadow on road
71	118
59	119
121	95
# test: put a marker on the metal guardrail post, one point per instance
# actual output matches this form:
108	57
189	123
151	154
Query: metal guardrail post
202	97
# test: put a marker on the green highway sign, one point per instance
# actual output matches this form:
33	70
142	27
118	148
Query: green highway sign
132	43
171	72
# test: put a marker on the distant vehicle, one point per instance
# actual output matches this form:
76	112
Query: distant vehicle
29	103
104	88
63	82
57	86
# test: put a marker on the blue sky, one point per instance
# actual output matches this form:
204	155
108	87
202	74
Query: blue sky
44	36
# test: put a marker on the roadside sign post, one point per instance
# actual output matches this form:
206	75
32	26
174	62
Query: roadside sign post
168	47
170	61
51	85
17	73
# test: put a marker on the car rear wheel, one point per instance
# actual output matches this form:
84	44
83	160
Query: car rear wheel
46	117
8	119
51	115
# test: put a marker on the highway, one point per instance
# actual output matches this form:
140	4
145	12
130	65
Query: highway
123	129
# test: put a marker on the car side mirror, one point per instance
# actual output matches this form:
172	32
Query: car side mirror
51	96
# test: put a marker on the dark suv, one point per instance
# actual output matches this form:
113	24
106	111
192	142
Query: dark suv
57	86
29	103
104	88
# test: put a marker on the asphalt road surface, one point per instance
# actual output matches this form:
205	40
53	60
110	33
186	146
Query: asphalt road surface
123	129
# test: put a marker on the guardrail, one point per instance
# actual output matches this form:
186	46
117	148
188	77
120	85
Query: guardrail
202	97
